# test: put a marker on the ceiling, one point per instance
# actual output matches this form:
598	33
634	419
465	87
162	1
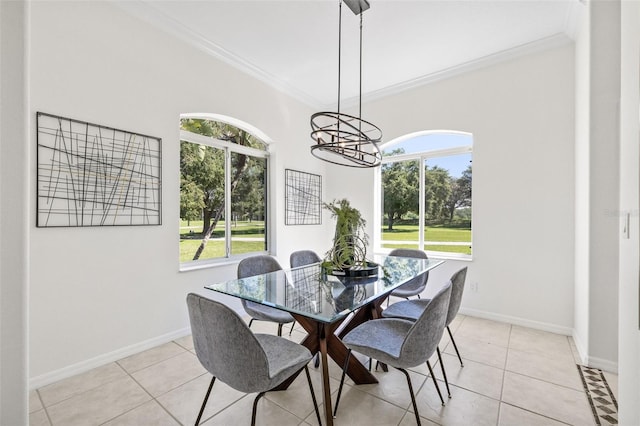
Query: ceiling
293	44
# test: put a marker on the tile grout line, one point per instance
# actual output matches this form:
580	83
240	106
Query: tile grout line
157	401
421	388
535	412
153	398
146	391
184	350
46	412
545	381
80	393
504	375
286	409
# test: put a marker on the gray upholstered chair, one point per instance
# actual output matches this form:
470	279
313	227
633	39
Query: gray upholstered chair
256	265
401	343
247	362
412	309
417	284
303	257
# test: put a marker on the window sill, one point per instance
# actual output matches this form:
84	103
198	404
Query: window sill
435	255
215	263
195	266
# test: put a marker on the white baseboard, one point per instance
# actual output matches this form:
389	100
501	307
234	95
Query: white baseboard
594	362
552	328
602	364
81	367
581	348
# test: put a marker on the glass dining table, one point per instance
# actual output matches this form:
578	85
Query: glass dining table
328	306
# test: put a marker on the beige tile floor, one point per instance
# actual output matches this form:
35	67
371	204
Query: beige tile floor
511	376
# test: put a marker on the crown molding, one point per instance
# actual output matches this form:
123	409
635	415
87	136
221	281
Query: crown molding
573	17
554	41
147	12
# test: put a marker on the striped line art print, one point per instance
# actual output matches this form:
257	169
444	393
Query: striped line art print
92	175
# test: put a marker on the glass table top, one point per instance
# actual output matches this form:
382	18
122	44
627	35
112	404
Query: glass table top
327	298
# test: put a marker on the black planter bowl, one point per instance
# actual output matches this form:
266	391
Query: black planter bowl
371	270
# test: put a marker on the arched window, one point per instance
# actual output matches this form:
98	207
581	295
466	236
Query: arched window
223	189
425	193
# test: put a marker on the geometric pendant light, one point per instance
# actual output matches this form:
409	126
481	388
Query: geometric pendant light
342	138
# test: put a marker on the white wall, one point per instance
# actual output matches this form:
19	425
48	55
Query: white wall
597	183
521	115
604	197
629	319
14	187
582	201
100	293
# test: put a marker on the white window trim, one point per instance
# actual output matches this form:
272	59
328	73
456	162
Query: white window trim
217	143
228	148
421	156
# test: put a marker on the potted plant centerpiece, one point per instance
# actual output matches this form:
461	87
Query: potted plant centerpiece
348	256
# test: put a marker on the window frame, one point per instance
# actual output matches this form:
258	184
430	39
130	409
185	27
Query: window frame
228	148
421	157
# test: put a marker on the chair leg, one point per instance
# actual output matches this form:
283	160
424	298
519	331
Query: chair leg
280	329
206	398
255	408
444	373
344	372
292	325
313	394
455	346
413	398
435	382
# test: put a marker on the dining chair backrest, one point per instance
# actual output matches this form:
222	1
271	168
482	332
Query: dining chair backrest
420	282
256	265
423	337
225	346
303	257
457	288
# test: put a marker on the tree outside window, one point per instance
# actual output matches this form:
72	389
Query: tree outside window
222	191
426	194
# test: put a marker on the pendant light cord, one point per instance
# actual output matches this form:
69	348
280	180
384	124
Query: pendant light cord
360	96
344	139
339	52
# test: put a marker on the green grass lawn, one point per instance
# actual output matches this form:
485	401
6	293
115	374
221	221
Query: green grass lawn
449	249
191	237
429	247
250	229
431	233
436	233
215	248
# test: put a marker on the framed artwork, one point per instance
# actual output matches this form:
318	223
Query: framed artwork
303	194
92	175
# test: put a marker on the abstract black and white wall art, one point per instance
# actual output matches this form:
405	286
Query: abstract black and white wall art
92	175
303	197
